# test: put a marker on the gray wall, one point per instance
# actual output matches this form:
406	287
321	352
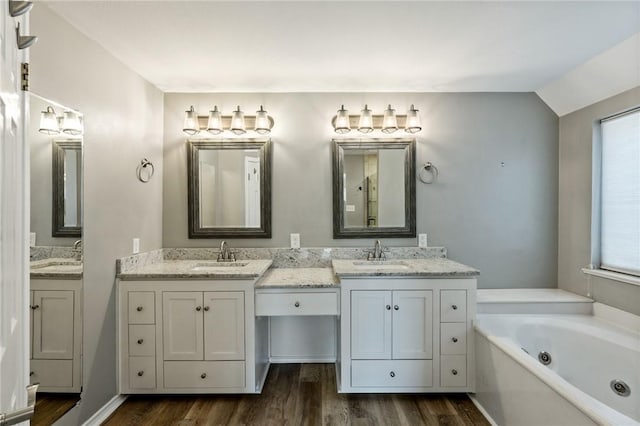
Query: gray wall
123	123
494	206
40	163
574	217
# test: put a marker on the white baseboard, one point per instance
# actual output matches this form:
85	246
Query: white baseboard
481	409
302	360
105	411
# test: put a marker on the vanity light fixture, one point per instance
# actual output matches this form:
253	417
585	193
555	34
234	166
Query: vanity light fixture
342	122
262	122
191	126
70	123
367	122
237	123
412	124
389	121
49	122
214	123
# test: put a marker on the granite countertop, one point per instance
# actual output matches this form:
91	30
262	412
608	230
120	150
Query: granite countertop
56	268
299	278
434	267
197	269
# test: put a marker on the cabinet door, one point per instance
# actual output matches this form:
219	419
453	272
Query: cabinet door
413	324
224	325
52	324
370	324
182	325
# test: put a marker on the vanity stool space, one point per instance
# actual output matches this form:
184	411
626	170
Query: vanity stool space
189	332
406	331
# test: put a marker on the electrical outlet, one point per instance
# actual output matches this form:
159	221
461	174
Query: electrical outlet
295	241
32	239
136	245
422	240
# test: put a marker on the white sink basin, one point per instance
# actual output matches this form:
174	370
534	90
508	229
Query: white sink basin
379	264
218	267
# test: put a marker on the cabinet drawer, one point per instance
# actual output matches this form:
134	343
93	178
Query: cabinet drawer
453	305
142	372
453	371
142	307
392	373
52	373
453	338
278	304
142	340
204	374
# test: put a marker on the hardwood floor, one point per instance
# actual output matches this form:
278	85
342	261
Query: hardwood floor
299	394
51	406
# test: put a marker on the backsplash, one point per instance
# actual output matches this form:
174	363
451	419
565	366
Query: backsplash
47	252
282	257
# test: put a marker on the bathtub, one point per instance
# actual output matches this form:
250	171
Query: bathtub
585	353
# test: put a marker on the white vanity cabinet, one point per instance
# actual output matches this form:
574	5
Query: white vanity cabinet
186	336
56	335
406	334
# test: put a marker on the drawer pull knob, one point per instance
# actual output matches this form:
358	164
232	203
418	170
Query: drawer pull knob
139	309
392	374
396	307
34	307
140	373
203	376
454	372
297	304
31	373
454	339
206	308
454	307
388	307
140	341
198	308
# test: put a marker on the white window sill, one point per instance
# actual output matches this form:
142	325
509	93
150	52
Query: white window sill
616	276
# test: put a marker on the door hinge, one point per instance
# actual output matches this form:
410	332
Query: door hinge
24	72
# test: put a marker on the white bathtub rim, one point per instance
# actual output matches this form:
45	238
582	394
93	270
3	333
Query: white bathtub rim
591	407
617	317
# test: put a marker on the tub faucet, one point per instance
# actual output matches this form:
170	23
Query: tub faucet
225	254
377	253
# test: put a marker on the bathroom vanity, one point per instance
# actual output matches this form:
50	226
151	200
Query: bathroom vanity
56	325
188	326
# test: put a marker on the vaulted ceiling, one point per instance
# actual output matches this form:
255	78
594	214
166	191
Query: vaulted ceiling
329	46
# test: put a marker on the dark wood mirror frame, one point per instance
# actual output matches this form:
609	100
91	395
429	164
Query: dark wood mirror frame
196	230
409	229
58	229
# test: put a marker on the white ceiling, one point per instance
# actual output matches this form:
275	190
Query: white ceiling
241	46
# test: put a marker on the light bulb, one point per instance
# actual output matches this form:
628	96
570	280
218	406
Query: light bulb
413	121
237	122
71	123
366	121
49	122
342	124
191	125
214	124
389	122
262	125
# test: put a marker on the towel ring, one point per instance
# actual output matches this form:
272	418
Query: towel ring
145	166
428	173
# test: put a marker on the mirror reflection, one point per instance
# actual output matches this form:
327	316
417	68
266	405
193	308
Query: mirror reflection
56	263
229	188
374	188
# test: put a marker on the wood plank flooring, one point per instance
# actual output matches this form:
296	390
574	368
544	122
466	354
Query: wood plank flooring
299	394
51	406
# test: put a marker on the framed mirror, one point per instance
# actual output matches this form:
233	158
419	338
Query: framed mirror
66	188
374	191
229	188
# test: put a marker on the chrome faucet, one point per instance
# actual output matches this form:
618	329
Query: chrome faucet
377	253
77	247
225	254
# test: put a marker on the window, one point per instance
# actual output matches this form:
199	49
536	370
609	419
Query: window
620	193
